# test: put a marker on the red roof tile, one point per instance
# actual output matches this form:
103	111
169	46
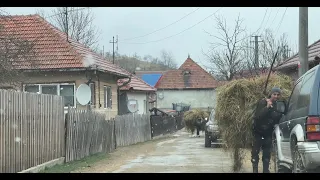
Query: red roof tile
198	79
50	47
135	84
313	51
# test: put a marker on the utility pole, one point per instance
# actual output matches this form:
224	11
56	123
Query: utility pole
113	42
67	28
303	40
286	51
256	51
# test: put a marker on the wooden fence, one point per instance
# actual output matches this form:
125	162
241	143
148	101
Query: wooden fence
31	130
35	130
88	133
132	128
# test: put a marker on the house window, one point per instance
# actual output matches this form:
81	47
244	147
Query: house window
93	94
107	97
49	89
32	88
65	90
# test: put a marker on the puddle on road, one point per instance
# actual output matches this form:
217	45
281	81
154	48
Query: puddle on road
165	142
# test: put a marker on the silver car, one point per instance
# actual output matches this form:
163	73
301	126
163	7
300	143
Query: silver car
212	135
297	137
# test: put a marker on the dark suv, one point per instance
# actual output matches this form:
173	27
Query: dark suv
297	137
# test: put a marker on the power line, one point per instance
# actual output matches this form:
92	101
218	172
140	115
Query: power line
265	13
163	27
181	31
281	20
79	9
268	19
256	32
275	16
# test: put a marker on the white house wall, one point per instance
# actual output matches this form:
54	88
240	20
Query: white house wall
196	98
141	97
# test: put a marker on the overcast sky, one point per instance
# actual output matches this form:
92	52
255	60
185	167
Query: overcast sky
188	35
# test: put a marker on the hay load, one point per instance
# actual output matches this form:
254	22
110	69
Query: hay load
191	117
236	102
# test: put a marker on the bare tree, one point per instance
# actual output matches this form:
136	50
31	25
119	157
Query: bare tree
270	46
226	55
249	67
167	59
267	51
78	24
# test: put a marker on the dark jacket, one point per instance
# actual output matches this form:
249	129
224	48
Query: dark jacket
265	118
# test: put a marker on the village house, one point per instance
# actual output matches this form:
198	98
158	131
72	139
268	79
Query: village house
291	65
137	93
189	85
58	65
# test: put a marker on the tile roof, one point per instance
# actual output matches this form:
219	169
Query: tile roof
313	52
50	47
135	84
198	78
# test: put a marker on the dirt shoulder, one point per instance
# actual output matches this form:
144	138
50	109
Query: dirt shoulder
100	163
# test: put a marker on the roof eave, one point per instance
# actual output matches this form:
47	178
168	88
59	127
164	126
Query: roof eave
207	88
139	90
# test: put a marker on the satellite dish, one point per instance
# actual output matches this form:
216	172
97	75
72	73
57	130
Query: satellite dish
160	95
132	105
83	94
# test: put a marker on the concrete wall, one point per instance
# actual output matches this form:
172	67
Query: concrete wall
197	98
78	78
141	97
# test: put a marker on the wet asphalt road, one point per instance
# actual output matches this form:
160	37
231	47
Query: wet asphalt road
183	154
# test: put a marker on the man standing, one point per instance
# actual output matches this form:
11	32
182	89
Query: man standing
265	118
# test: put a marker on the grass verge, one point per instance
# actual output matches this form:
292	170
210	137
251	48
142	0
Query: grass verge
71	166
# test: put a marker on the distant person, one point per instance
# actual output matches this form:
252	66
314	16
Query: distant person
265	118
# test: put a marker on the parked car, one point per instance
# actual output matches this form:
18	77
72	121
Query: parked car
212	135
297	137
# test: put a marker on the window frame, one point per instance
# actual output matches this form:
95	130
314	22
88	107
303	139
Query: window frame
58	89
105	90
306	79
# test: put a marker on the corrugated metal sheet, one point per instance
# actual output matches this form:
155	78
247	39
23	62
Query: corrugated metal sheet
135	84
151	79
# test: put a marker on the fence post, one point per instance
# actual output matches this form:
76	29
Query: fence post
114	133
151	127
66	119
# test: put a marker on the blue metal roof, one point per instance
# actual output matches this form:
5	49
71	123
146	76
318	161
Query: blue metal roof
151	79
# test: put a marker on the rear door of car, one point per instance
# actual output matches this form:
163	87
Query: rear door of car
285	121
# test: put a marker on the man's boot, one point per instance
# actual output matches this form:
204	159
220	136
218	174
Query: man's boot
255	165
266	164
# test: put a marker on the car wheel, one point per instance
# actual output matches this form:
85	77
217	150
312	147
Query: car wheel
298	166
207	141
